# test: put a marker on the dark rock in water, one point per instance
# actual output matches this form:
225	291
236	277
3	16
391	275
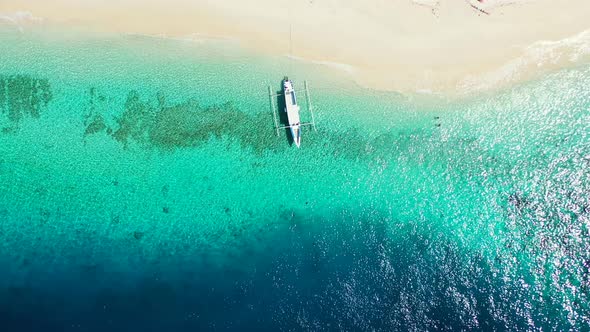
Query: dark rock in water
89	269
25	262
227	210
288	215
516	200
138	235
165	190
161	99
45	214
41	191
165	209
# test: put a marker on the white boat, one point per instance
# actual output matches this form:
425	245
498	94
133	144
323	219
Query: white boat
292	110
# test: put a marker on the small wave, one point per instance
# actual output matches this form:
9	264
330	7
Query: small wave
19	17
426	91
573	47
544	54
337	65
197	38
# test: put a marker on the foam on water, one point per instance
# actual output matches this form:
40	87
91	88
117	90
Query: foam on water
142	187
19	17
541	56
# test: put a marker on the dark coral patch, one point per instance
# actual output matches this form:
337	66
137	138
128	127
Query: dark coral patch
94	121
187	124
135	120
22	96
96	125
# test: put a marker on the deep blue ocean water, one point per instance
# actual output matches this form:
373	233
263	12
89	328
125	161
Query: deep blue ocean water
142	188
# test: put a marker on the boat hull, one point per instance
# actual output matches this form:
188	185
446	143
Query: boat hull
296	134
292	110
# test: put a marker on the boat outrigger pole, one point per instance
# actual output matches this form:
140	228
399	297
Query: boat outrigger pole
271	97
309	106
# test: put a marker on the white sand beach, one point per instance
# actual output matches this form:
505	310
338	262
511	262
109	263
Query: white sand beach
441	46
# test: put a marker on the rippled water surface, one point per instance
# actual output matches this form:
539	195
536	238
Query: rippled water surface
142	188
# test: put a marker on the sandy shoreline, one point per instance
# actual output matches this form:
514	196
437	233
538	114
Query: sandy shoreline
421	45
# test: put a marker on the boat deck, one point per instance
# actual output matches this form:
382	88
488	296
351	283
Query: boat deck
292	108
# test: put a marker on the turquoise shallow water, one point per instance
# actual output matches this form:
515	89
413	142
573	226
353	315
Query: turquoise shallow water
142	187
